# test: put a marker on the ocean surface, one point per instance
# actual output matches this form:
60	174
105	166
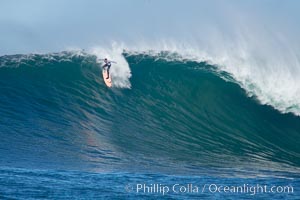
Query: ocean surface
171	127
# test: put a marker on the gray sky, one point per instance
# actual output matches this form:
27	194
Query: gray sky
55	25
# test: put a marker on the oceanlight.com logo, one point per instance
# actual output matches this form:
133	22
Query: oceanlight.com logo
248	189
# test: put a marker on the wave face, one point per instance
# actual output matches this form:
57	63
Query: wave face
171	115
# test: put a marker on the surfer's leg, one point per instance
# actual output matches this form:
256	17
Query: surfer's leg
107	73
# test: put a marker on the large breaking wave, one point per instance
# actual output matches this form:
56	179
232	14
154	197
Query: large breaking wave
178	113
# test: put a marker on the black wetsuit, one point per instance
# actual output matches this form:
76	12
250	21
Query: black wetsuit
107	65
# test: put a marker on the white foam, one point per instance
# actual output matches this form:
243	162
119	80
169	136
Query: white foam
266	67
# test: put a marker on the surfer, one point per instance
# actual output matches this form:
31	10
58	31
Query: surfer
107	65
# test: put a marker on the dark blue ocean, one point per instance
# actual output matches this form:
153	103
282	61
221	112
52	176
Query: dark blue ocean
181	130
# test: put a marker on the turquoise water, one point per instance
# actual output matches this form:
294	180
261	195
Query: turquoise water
64	134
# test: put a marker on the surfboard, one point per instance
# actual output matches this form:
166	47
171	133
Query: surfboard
107	82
